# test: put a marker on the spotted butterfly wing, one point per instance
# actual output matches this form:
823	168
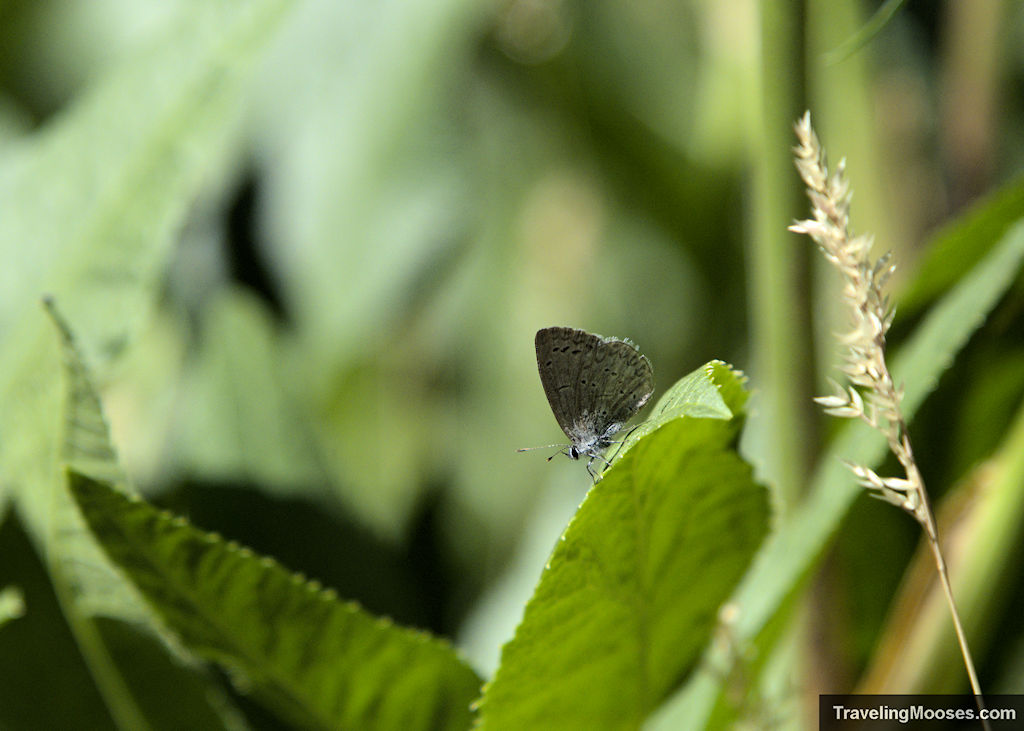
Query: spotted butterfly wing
594	385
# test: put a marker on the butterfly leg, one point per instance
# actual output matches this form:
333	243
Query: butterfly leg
620	442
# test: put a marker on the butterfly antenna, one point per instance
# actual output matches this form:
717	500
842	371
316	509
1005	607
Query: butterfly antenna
561	449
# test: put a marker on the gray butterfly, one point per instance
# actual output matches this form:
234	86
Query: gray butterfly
594	386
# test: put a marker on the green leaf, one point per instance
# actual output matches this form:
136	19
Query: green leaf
631	592
128	659
41	659
12	604
318	661
87	584
93	202
227	434
713	391
86	436
787	559
366	190
867	32
960	246
321	663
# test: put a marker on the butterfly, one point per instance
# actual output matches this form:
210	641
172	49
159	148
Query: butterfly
594	385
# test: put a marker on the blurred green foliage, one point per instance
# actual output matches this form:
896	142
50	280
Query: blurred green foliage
304	246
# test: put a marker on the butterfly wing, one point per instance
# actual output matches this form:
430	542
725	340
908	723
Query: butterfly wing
591	382
560	354
620	382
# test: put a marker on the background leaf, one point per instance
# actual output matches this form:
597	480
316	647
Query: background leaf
122	167
787	559
961	245
12	604
92	202
225	433
47	652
